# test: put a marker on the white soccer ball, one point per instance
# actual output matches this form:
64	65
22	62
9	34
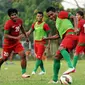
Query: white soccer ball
65	79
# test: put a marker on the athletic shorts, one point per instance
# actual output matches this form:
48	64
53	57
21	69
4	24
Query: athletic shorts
80	49
16	48
39	48
69	43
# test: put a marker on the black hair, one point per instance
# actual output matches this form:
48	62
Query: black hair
51	9
12	10
40	13
81	13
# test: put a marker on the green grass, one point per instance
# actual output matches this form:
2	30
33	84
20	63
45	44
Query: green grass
11	74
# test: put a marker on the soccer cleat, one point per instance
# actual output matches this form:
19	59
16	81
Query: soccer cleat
33	73
54	82
70	70
42	73
25	75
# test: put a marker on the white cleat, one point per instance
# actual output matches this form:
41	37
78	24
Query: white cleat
42	73
33	73
25	75
70	70
53	82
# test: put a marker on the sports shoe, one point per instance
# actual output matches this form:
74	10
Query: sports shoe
25	75
33	73
42	73
54	82
70	70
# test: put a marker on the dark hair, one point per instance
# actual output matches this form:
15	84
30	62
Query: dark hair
40	13
81	13
50	9
12	10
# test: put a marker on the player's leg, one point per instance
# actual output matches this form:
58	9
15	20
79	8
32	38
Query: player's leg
5	54
37	60
42	66
78	50
41	50
67	43
56	68
20	50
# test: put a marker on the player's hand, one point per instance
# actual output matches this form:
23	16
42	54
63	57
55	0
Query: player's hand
76	31
27	33
45	38
27	40
19	37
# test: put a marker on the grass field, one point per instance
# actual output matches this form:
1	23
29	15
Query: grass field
11	74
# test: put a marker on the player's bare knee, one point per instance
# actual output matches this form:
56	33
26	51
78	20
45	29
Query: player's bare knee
58	57
61	47
5	59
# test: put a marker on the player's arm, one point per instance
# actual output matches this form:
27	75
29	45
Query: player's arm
54	37
48	30
31	30
79	28
74	20
6	35
23	31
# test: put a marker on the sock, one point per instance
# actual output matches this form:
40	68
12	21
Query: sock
38	62
42	66
66	56
75	59
56	68
23	70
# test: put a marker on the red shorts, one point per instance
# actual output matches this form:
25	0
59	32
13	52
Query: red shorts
80	49
39	48
16	48
69	42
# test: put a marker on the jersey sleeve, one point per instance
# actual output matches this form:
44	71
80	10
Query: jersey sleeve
33	25
7	26
80	25
64	15
46	27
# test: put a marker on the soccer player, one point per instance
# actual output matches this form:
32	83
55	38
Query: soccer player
12	39
66	33
41	30
80	48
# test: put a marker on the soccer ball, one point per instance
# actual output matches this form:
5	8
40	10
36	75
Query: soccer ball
65	79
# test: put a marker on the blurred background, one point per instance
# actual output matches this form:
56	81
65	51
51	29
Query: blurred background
27	11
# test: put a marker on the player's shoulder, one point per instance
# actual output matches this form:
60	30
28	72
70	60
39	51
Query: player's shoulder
45	24
63	12
82	21
8	22
19	19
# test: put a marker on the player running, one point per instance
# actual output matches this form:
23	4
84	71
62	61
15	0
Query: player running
12	39
80	48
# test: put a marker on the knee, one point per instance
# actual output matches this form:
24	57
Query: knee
61	47
58	57
5	59
22	55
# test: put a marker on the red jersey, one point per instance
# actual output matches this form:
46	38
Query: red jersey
81	26
14	30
